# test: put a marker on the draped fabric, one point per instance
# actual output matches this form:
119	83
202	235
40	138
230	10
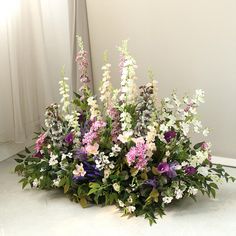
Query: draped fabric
37	38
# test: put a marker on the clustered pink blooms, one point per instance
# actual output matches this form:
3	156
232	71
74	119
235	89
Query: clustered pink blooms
82	61
90	136
116	126
39	142
137	155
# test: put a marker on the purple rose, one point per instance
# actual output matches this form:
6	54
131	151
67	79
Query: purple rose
190	170
169	135
69	138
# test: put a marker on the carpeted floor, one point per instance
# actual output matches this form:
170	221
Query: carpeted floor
47	213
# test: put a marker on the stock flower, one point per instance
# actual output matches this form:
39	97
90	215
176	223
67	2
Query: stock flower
137	156
39	142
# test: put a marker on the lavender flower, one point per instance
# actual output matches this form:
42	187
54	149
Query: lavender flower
168	169
81	154
151	182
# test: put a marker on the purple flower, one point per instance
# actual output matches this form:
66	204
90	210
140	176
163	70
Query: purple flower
172	173
38	154
81	154
190	170
168	169
69	138
169	135
163	167
151	182
92	173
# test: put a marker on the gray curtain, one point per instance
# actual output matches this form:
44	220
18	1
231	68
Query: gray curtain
78	21
37	39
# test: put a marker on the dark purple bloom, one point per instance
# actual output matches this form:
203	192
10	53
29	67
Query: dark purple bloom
81	154
169	135
38	154
190	170
163	167
69	138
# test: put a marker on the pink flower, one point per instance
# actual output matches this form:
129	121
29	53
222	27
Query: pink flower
92	149
39	142
93	132
137	155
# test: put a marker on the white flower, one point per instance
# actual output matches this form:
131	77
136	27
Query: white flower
199	95
130	199
184	127
79	171
167	153
107	172
64	91
203	170
53	159
205	132
56	182
184	163
93	107
197	125
126	136
116	187
63	156
121	204
192	190
199	158
167	199
131	209
116	148
163	128
35	183
216	179
178	193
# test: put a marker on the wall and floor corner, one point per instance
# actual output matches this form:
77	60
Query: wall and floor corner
187	44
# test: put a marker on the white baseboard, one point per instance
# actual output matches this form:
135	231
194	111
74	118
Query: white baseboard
225	161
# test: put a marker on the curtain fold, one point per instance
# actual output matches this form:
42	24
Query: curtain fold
36	40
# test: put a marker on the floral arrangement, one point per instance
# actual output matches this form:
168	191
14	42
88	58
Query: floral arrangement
133	150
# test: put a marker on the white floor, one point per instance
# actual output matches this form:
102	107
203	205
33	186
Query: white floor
48	213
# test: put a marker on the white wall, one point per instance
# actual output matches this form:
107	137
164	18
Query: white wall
188	44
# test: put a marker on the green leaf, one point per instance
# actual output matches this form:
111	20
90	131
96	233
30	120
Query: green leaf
27	150
21	155
83	202
133	171
19	160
